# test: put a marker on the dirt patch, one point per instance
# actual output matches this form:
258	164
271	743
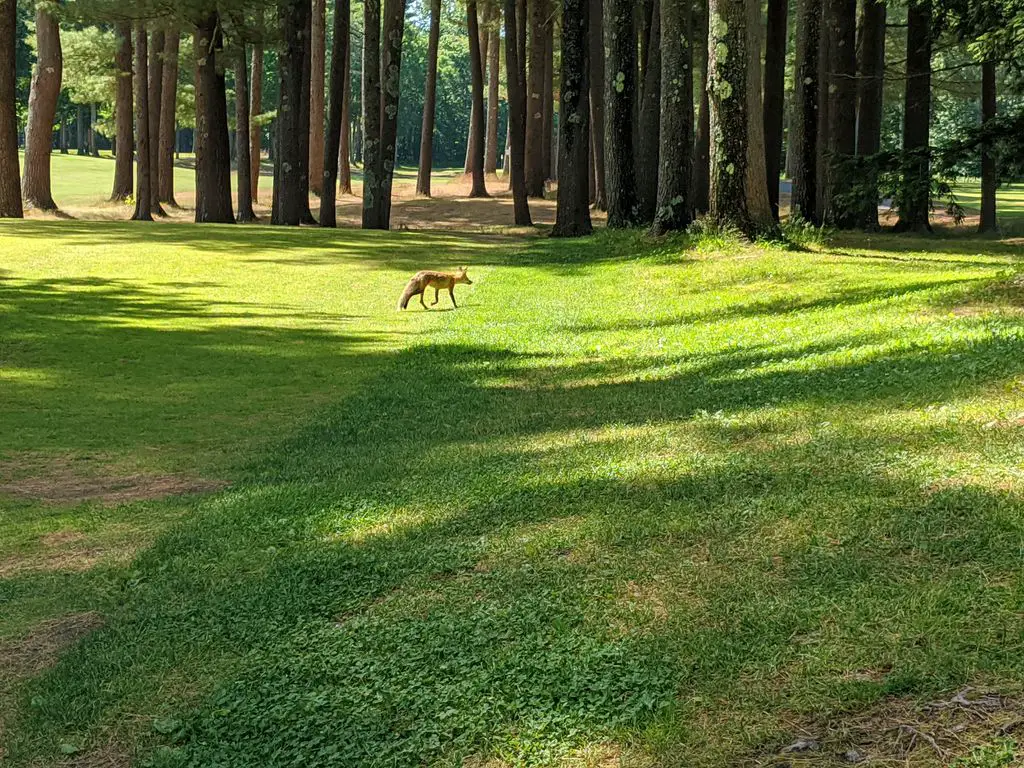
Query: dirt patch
905	733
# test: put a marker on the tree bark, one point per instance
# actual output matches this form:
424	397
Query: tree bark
758	206
620	87
989	172
123	115
288	191
549	147
335	123
841	23
649	127
244	186
429	104
775	96
10	185
916	188
144	171
318	63
702	147
93	151
596	37
304	115
345	149
478	128
42	108
538	10
870	101
391	78
805	180
156	75
80	131
493	91
572	218
255	129
212	146
168	117
372	158
675	205
516	115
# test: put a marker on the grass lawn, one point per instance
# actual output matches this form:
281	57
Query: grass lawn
648	504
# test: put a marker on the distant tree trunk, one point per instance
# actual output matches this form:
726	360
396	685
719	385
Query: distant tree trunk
144	171
870	95
477	129
335	114
156	75
168	117
212	145
596	37
989	173
304	115
756	182
702	144
620	86
80	121
841	20
391	78
42	108
538	10
916	187
93	150
245	211
63	136
255	129
318	63
573	213
805	142
123	114
649	128
429	104
550	145
345	149
775	96
824	107
288	203
10	186
516	116
493	91
675	205
372	159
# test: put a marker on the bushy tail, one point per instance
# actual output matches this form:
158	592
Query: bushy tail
408	293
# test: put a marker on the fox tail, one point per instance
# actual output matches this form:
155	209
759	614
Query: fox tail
408	293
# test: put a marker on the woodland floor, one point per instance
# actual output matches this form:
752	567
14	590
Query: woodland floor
635	503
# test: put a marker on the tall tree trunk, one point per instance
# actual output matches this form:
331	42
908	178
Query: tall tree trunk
516	115
156	75
471	137
123	114
213	147
870	95
596	37
42	108
620	86
758	206
702	143
916	188
64	137
372	158
538	10
167	129
288	191
244	186
493	91
989	172
144	171
477	129
649	127
93	150
429	104
10	185
775	96
335	113
255	129
304	116
318	63
549	146
675	204
573	213
391	78
79	130
841	25
345	149
805	141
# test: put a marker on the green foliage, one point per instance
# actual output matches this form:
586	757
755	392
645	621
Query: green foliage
89	74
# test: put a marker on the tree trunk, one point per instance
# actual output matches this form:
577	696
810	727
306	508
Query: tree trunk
79	130
538	10
304	115
702	144
758	206
429	104
841	24
675	206
805	141
288	202
42	107
516	115
916	189
335	122
167	129
620	85
649	127
10	185
372	159
144	171
244	186
318	63
212	146
123	114
550	148
255	129
775	96
93	150
989	172
345	149
870	96
391	78
156	75
493	91
600	197
477	129
573	213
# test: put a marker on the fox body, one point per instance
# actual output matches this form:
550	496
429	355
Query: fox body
421	281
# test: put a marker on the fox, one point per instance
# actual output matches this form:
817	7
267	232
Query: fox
421	281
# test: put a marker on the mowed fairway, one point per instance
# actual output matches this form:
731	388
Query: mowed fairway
633	503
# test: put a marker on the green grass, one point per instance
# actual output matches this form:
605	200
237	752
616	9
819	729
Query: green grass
1010	200
650	500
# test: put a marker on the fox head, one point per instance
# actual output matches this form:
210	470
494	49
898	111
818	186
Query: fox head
462	277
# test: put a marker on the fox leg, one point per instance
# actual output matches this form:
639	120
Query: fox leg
451	292
436	292
421	298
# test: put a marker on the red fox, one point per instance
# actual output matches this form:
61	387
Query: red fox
421	281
